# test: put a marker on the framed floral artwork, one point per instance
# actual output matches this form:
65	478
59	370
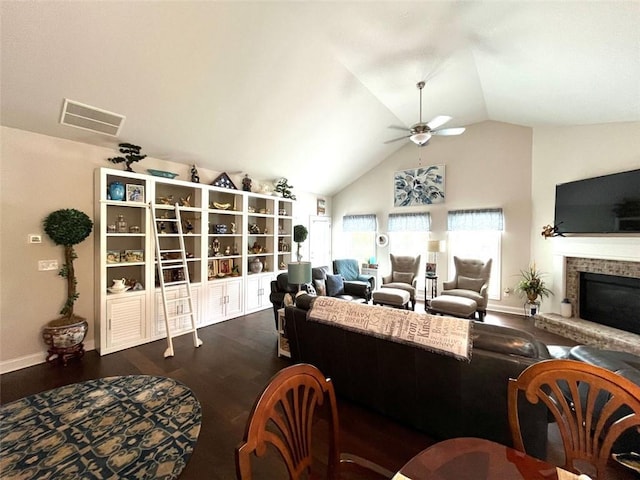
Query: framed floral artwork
418	186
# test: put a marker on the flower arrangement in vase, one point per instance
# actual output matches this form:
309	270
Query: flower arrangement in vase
532	285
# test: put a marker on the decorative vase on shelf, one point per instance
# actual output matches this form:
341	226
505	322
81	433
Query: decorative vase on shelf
565	308
255	265
116	191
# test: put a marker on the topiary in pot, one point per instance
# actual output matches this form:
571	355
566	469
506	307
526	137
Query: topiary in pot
64	335
300	234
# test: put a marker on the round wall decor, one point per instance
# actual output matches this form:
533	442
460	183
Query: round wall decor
382	240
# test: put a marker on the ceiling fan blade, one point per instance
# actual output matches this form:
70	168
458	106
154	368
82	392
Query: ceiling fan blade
398	127
438	121
449	131
396	139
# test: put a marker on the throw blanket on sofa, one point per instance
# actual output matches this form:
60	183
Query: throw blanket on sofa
446	335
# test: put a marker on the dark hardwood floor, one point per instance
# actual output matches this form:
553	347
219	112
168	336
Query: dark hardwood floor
227	373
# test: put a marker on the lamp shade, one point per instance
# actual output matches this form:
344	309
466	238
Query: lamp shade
420	138
299	272
435	246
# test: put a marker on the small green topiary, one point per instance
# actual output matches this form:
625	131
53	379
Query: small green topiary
300	234
68	227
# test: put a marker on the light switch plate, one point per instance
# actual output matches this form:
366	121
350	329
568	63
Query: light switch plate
44	265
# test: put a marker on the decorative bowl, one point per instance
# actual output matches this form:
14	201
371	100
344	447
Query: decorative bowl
161	173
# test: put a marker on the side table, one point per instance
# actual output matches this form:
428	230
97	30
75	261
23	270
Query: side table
434	289
283	343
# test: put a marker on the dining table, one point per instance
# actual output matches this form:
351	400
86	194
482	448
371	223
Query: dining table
478	459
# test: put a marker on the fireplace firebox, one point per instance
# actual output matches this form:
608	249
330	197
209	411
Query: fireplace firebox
610	300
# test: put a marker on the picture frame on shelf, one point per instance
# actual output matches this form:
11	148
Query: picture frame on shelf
430	270
135	192
134	256
113	256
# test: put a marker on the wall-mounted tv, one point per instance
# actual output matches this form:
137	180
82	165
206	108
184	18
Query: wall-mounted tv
606	204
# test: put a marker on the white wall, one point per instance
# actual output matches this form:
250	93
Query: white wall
488	166
41	174
563	154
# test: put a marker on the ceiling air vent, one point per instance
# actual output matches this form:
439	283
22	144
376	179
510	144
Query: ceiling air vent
90	118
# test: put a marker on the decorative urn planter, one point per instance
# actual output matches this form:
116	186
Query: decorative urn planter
65	340
255	265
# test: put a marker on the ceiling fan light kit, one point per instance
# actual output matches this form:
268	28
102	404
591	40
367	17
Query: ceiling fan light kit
420	133
420	139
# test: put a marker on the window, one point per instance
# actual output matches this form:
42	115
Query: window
408	235
359	233
477	234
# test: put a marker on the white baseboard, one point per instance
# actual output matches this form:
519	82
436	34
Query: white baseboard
18	363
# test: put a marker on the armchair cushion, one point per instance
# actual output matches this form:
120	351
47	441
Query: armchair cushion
467	283
335	285
402	277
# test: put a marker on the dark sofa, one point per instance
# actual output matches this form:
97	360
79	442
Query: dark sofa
436	394
323	283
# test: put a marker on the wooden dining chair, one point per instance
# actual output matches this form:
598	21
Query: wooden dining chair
282	417
592	406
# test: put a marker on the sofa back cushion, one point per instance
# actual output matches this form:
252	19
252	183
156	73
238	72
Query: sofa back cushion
321	287
509	341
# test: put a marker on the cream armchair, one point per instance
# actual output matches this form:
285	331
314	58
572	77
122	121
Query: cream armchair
404	271
471	281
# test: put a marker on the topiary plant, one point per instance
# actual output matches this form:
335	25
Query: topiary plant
300	234
68	227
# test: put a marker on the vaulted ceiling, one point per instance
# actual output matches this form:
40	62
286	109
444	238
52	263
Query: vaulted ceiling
308	90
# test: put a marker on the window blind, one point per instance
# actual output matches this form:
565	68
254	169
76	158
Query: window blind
475	220
409	222
359	223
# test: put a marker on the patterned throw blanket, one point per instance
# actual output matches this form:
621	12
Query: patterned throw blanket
446	335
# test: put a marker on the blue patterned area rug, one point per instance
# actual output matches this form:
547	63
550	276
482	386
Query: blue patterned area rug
133	427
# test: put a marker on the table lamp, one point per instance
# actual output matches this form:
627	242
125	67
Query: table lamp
299	274
434	247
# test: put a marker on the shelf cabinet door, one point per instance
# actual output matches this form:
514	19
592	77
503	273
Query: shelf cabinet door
126	322
181	324
235	304
224	300
258	289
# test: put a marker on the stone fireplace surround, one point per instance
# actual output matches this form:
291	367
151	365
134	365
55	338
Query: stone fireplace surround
584	331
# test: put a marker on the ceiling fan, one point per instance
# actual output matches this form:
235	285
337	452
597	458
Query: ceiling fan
420	133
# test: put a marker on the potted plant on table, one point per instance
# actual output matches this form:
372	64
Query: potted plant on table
64	335
532	285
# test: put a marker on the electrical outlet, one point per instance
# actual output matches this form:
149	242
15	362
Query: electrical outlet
35	238
507	292
45	265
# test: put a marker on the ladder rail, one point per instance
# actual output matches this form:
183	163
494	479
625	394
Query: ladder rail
172	264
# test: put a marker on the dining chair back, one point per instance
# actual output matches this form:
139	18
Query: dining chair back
283	417
591	405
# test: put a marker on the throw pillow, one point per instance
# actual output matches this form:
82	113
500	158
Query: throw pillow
321	288
310	289
467	283
335	285
402	277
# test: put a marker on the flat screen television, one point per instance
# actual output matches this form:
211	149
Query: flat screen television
606	204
